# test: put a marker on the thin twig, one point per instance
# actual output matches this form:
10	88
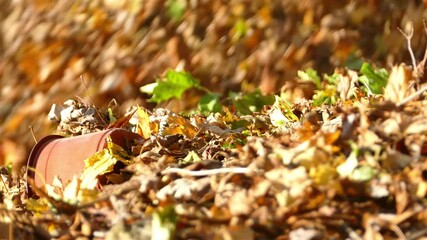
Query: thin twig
408	37
417	234
412	96
32	133
199	173
396	229
90	98
425	50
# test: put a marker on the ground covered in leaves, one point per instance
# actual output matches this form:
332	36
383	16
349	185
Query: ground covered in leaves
348	164
258	119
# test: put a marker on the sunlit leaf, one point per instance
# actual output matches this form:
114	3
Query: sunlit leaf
164	223
118	152
239	29
323	174
374	80
149	88
71	191
173	85
192	157
397	86
176	9
346	169
281	113
143	125
179	125
102	162
326	96
40	205
111	116
310	75
210	103
251	102
363	173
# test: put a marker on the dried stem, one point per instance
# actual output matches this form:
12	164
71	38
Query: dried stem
425	51
408	37
90	98
412	96
199	173
32	133
4	184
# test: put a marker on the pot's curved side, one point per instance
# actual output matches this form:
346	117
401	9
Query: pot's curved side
55	155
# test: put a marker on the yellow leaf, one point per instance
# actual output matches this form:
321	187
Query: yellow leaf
40	205
180	125
102	162
118	152
192	157
98	164
143	127
323	174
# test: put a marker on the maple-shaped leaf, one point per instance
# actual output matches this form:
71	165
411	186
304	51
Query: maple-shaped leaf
173	85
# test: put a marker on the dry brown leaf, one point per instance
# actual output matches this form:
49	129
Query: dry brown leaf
398	83
179	125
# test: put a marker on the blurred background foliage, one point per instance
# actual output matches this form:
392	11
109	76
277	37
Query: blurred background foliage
97	50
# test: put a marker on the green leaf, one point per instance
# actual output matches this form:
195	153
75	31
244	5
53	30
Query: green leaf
111	116
310	75
363	173
173	85
332	79
239	29
164	223
281	113
374	80
209	103
353	62
176	9
251	102
239	124
326	96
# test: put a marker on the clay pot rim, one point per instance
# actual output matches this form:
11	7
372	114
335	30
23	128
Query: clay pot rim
32	158
40	144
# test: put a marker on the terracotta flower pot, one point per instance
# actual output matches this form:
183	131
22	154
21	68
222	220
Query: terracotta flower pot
56	155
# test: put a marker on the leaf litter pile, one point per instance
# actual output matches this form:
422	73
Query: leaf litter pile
349	163
340	156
